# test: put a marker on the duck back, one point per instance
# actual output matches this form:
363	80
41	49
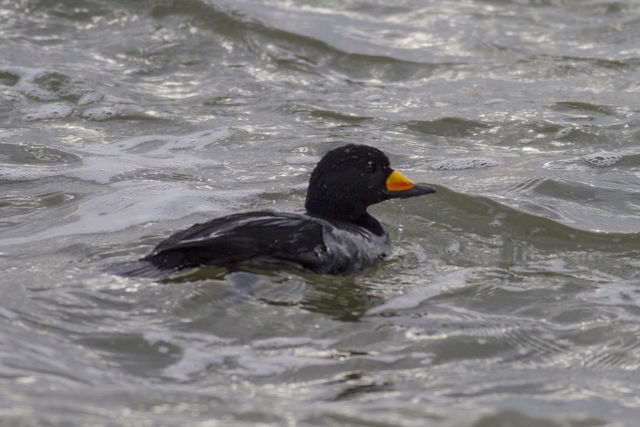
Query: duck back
300	241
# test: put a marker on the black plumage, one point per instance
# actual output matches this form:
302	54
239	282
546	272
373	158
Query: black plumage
336	235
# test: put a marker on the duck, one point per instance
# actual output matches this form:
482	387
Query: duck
336	235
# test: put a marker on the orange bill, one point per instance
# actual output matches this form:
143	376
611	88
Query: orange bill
398	182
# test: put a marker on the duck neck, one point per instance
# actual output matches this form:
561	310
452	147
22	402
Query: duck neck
364	220
370	223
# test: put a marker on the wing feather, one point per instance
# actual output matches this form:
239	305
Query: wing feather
284	238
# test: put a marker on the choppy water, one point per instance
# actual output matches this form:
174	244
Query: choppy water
512	296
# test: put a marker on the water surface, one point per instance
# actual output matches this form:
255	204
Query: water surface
511	297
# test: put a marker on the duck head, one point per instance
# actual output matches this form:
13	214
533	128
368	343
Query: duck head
351	178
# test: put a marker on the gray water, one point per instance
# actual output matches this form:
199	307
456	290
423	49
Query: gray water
512	296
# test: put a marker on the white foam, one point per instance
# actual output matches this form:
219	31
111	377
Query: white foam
48	111
283	342
107	112
126	202
46	85
100	114
103	162
133	203
603	159
31	85
465	163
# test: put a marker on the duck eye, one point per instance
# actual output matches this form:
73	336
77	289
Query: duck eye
371	167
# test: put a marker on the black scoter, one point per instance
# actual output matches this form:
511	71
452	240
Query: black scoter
335	236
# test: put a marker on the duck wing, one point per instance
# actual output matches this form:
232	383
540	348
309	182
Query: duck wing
289	239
